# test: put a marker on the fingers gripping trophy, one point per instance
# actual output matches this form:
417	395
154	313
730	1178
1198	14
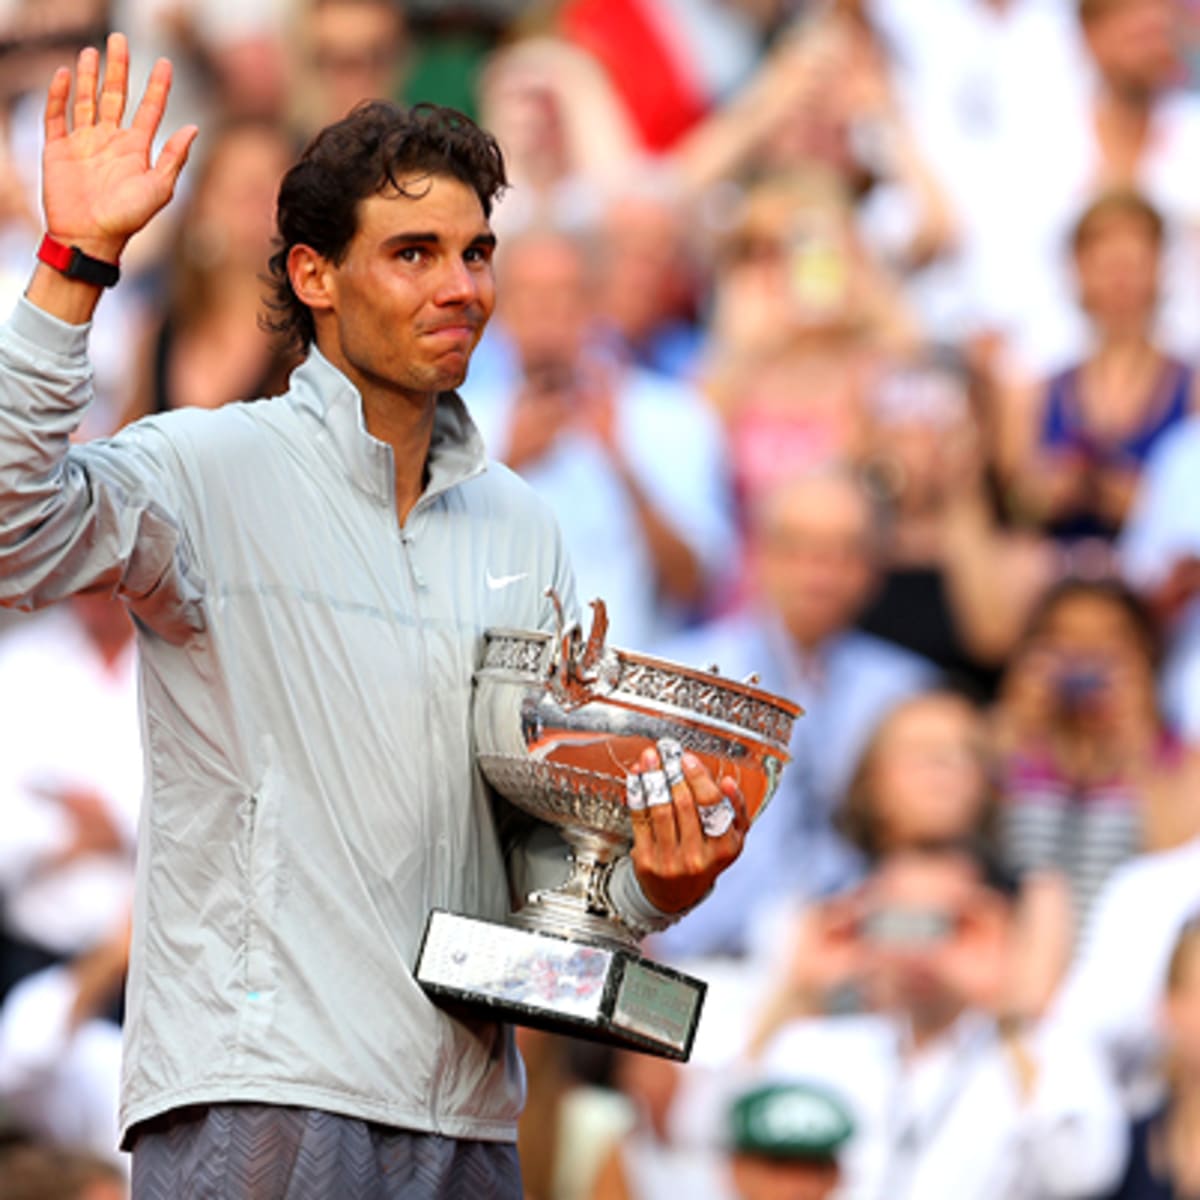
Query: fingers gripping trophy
621	752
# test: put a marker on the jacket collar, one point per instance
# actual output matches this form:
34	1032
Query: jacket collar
456	452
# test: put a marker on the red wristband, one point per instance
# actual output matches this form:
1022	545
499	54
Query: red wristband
75	264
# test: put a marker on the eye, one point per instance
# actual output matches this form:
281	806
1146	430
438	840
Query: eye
477	254
410	254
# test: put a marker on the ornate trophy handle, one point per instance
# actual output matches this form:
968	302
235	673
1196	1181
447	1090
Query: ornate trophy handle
580	671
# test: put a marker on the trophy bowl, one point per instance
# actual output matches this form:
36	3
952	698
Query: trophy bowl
560	725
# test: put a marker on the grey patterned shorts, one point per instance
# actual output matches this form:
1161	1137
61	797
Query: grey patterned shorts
267	1152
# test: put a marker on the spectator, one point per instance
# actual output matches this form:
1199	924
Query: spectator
60	1050
785	1141
814	552
649	534
991	90
210	347
801	326
1101	418
1113	993
923	779
1165	1159
949	1098
560	126
781	1142
958	586
70	783
1088	762
647	296
348	50
1160	556
666	1152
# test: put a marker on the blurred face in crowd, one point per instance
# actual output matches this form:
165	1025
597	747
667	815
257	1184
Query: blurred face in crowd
231	218
758	1177
354	50
937	941
1181	1009
814	544
544	298
407	304
640	265
1117	267
925	437
1095	650
926	774
1133	43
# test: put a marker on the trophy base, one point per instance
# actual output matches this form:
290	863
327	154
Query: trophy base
526	977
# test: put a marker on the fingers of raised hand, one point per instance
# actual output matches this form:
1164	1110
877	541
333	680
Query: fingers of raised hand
87	75
56	104
154	101
116	81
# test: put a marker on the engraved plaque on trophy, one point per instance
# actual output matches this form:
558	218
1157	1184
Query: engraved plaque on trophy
560	724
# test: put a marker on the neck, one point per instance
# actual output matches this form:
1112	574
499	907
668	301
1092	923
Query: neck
404	422
1123	119
1119	347
400	419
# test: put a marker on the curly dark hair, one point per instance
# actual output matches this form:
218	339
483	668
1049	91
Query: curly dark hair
362	155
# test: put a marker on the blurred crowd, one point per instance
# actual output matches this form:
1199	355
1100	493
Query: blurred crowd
854	343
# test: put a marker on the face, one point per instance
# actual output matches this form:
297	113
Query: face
544	306
407	305
814	555
233	211
927	777
354	47
642	255
1118	272
1133	43
936	941
756	1177
1096	651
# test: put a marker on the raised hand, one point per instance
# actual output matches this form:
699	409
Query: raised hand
99	186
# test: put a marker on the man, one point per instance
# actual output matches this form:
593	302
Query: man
948	1098
814	550
311	577
649	535
784	1142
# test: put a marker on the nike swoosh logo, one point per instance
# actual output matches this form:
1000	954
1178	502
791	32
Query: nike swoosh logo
496	582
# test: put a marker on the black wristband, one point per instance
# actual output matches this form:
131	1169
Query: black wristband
75	264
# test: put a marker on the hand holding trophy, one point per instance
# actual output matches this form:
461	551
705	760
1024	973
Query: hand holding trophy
596	741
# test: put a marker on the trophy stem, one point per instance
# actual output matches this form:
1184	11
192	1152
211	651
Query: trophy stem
580	904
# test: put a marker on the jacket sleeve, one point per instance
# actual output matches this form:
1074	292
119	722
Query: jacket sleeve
105	516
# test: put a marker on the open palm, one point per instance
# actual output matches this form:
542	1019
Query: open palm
99	186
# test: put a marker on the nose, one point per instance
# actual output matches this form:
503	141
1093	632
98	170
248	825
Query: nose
458	284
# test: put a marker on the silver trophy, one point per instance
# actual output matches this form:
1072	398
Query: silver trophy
560	726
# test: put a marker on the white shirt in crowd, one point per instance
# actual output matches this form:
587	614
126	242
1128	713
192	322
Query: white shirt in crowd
59	1082
1114	991
968	1117
66	720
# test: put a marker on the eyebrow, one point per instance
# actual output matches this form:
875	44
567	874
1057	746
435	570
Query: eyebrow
432	238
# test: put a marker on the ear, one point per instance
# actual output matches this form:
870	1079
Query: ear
311	276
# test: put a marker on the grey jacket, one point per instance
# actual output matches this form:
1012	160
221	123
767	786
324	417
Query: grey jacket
306	670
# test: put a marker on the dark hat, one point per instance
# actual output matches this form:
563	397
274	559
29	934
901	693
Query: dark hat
789	1120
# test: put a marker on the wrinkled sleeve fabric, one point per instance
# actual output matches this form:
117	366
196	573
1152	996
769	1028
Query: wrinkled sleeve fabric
107	516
